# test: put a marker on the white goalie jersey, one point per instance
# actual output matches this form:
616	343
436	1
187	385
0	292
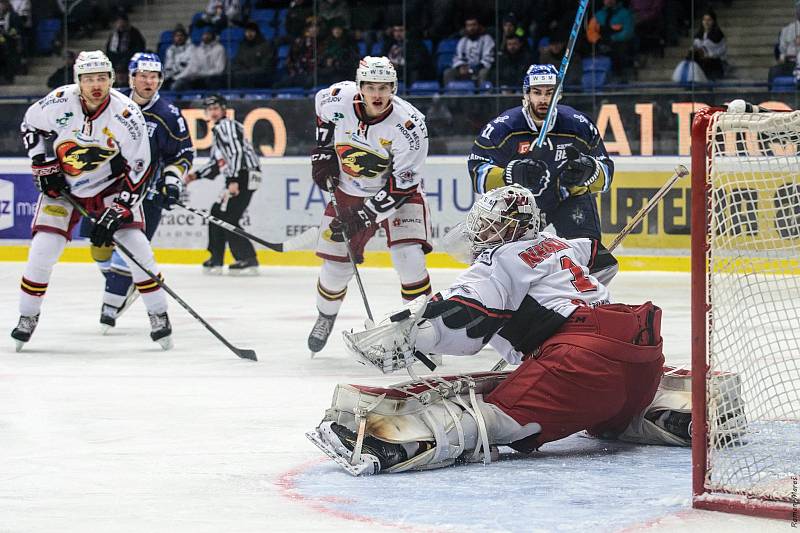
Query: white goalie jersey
94	149
553	272
391	148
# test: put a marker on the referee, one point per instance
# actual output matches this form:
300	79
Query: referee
234	158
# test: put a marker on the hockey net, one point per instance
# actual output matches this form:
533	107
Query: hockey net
746	312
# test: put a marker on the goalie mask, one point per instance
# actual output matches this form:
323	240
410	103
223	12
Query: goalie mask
501	216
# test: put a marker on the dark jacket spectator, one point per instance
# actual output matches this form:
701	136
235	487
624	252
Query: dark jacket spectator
412	63
333	10
10	41
297	18
300	63
124	41
252	66
612	31
64	75
649	15
514	60
338	56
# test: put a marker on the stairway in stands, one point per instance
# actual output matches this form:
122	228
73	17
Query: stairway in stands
151	18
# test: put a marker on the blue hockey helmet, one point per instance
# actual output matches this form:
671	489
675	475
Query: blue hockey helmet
144	62
539	75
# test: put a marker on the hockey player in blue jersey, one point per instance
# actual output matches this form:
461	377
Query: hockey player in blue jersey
171	149
564	174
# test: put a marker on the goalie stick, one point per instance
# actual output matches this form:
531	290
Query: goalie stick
243	353
298	242
680	171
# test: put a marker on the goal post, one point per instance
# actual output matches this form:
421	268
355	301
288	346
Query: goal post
746	312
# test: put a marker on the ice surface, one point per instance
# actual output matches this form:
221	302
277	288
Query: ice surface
109	433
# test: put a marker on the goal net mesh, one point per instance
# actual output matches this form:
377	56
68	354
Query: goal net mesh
753	318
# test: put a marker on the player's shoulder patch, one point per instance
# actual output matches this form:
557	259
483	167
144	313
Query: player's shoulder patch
576	122
60	95
336	93
497	130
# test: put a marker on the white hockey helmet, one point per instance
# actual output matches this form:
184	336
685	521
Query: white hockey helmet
501	216
376	69
92	62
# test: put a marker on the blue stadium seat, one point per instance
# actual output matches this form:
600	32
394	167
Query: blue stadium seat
597	63
231	38
162	50
486	87
428	44
593	80
362	48
267	29
165	37
290	92
196	18
424	87
46	32
443	61
376	49
447	46
783	84
280	21
460	87
196	35
283	53
262	15
401	87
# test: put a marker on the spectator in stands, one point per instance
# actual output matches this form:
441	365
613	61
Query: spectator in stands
23	9
710	48
10	41
124	41
333	10
177	56
222	10
611	30
64	74
252	66
410	57
297	18
788	45
511	28
649	15
554	39
338	55
474	55
366	18
300	64
206	66
514	60
442	19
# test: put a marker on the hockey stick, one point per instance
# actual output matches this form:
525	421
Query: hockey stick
680	171
335	204
298	242
562	72
243	353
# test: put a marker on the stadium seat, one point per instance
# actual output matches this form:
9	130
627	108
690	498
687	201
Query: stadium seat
443	61
283	53
362	48
485	87
447	46
593	80
460	87
280	21
290	92
162	50
424	87
46	32
597	63
267	29
196	34
231	38
428	44
262	15
783	84
376	49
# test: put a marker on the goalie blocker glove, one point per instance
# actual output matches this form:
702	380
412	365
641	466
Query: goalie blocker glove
325	168
109	222
48	177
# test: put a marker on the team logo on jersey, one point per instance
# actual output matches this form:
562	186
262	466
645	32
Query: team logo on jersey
361	163
76	159
62	121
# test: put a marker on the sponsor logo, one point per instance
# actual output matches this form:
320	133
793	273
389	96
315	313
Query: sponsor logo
337	117
522	148
59	94
406	176
580	118
77	159
55	210
126	113
409	125
384	142
413	139
501	119
334	92
361	163
6	204
63	120
138	165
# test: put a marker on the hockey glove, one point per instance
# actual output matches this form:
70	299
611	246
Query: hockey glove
351	223
580	170
529	173
109	222
169	187
325	167
48	176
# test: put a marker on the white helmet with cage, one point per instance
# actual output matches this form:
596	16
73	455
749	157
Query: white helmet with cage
92	62
376	69
501	216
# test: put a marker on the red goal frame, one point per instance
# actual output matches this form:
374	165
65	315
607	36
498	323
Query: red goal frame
704	498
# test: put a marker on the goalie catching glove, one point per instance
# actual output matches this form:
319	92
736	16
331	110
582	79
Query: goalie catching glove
109	222
48	177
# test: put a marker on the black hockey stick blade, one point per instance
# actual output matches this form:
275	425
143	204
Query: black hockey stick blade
246	353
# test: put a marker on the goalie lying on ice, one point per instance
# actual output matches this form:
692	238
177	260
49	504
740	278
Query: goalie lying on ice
586	364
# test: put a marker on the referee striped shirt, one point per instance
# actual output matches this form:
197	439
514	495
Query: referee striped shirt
230	146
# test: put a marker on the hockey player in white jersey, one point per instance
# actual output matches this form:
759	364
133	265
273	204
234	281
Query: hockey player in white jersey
89	141
371	146
585	363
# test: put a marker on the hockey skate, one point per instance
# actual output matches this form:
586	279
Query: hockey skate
244	267
108	318
374	455
161	329
22	333
320	333
212	267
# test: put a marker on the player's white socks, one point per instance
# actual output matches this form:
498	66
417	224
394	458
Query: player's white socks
409	262
332	286
43	254
155	300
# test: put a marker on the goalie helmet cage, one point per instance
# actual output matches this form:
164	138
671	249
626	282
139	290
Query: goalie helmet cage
746	312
